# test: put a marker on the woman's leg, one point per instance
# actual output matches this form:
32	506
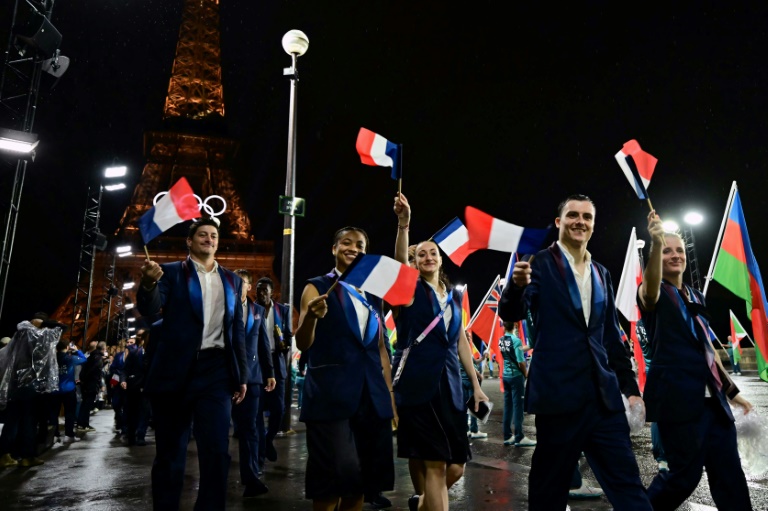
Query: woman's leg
435	488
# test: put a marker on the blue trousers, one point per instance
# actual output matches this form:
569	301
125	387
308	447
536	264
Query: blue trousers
272	402
604	438
705	442
206	400
514	388
246	416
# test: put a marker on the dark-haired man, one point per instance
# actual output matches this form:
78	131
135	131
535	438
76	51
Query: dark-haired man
198	366
280	338
580	369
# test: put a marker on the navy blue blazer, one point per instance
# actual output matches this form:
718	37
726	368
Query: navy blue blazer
437	353
257	345
573	362
341	364
179	295
278	358
678	373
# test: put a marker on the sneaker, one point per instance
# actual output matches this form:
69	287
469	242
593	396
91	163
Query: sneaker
86	429
30	462
663	466
57	439
585	492
378	501
413	503
254	490
509	441
478	434
525	442
7	461
70	439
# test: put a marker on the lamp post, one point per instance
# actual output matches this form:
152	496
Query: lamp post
295	43
691	219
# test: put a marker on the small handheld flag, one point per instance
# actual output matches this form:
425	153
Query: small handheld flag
382	276
177	205
376	150
487	232
454	240
638	167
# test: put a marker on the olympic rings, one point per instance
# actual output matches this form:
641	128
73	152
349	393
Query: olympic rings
201	204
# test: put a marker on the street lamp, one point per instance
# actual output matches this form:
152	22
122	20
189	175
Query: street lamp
670	226
295	44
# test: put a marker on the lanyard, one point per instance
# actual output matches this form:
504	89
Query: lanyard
434	321
371	327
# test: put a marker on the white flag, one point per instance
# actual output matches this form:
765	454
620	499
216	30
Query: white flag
631	276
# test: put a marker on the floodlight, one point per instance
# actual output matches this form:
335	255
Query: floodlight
693	218
17	141
670	226
115	171
112	188
123	249
127	286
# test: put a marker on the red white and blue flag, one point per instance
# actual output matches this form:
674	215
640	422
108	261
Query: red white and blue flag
384	277
486	322
487	232
376	150
454	240
174	207
638	167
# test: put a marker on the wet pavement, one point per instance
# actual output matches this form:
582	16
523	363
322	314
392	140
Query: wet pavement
103	473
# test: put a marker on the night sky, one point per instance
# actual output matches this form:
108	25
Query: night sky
499	105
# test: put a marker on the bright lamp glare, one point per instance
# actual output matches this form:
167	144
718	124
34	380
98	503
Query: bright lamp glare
131	329
123	249
670	226
112	188
125	254
129	306
17	141
693	218
127	286
115	171
131	320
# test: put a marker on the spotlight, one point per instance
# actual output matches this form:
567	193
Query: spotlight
17	141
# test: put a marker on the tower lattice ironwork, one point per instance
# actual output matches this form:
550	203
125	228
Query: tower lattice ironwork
195	94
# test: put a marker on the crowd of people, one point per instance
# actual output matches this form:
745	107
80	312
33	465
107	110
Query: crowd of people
215	358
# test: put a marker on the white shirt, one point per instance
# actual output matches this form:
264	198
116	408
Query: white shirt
442	300
213	306
269	318
584	282
245	312
360	309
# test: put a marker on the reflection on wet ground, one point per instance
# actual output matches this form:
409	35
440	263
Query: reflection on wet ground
103	473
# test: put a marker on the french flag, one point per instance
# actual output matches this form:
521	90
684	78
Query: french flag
638	167
378	151
454	240
487	232
177	205
381	276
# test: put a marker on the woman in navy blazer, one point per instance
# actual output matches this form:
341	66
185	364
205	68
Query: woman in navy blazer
688	390
432	432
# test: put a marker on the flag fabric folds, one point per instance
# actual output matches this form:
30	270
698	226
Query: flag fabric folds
631	276
486	323
465	317
454	240
737	334
174	207
391	330
736	269
382	276
487	232
638	167
376	150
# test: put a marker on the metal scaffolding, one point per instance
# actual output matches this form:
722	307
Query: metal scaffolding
19	87
690	254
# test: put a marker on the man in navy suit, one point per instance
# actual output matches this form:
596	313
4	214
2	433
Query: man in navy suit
280	337
579	368
198	366
259	369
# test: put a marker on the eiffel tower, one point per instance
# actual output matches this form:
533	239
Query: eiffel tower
195	99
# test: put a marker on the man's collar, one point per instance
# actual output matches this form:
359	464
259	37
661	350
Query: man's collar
201	269
569	256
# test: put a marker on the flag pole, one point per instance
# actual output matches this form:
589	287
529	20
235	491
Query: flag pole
399	169
712	263
490	290
147	252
